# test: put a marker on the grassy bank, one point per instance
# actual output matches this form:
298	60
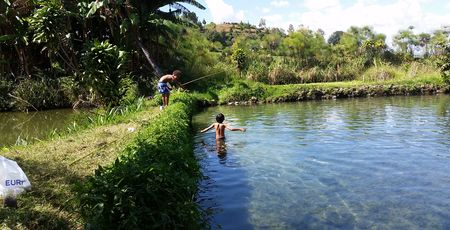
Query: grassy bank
250	92
56	166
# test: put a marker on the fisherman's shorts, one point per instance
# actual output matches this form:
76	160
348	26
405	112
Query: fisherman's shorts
163	88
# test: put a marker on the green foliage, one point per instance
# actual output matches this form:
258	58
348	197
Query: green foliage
239	58
242	91
60	38
445	65
258	71
104	71
154	181
380	73
280	73
42	93
49	23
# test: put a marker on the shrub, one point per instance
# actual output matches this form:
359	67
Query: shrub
242	91
258	72
104	72
415	69
240	59
280	73
43	93
379	73
314	74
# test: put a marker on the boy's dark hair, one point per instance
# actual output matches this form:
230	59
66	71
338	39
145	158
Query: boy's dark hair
177	73
220	117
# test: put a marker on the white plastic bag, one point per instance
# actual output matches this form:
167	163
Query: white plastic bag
13	180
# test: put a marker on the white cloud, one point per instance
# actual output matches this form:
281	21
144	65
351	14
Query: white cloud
279	3
222	12
388	19
265	10
274	18
320	5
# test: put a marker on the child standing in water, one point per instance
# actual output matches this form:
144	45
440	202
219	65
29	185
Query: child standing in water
220	127
220	133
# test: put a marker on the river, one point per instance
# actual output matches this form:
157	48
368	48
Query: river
380	163
20	127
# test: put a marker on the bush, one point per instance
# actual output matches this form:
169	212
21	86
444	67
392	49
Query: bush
258	72
43	93
280	74
104	72
242	91
152	183
380	73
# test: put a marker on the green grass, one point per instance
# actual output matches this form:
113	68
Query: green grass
243	90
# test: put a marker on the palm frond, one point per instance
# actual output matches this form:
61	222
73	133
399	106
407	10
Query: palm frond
194	3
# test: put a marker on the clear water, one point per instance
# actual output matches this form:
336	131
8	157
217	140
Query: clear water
16	127
381	163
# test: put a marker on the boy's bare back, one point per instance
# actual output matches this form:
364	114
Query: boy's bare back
220	130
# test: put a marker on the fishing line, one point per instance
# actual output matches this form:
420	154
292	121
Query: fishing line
209	75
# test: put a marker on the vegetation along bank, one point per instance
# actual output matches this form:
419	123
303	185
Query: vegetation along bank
148	177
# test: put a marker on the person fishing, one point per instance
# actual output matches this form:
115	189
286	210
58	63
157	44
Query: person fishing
164	86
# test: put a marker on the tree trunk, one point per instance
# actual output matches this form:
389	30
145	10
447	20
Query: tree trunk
156	70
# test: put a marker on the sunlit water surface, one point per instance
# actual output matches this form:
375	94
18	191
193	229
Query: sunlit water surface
380	163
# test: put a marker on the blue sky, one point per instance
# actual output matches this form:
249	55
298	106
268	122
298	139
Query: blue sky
385	16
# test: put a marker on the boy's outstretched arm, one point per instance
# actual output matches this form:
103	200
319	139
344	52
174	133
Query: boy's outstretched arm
235	129
206	129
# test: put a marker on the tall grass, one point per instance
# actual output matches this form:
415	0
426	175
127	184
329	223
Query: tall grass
93	118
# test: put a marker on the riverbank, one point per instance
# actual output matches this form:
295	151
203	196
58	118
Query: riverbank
56	167
247	92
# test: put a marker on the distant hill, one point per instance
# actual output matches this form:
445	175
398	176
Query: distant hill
238	28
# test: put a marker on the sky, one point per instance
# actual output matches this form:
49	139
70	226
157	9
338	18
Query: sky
384	16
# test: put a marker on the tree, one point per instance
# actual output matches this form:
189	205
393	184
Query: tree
424	42
445	65
142	22
405	41
262	23
104	71
335	37
239	57
438	41
291	28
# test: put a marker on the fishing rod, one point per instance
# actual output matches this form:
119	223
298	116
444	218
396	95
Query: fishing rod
209	75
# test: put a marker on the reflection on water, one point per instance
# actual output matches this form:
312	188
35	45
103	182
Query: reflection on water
362	163
34	125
